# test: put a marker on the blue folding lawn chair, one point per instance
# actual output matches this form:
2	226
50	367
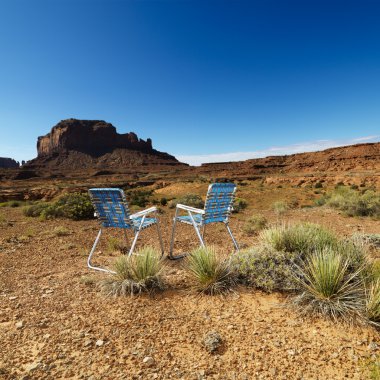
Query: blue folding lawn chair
217	209
112	210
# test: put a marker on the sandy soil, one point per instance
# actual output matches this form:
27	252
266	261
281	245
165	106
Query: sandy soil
54	325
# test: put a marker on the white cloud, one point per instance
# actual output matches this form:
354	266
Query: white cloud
273	151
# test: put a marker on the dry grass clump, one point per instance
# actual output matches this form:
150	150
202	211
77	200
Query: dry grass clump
61	231
212	275
373	301
300	238
255	224
329	288
280	208
142	272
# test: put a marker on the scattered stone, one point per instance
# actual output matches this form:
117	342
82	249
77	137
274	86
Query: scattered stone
291	352
87	342
148	361
99	343
373	346
212	341
19	325
13	298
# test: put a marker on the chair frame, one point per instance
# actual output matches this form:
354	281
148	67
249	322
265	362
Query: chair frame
200	226
128	224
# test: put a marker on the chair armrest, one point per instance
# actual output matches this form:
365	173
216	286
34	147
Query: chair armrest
191	209
144	212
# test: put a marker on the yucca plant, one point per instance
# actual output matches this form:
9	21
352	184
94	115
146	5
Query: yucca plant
373	302
212	274
302	238
329	288
142	272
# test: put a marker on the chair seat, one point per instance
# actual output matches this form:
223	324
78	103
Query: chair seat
186	219
147	222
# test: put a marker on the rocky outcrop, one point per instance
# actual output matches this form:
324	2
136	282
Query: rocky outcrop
93	137
7	163
93	145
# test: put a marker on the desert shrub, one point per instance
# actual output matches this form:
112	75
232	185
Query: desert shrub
76	206
193	200
329	288
163	201
373	240
212	275
239	205
255	224
142	272
318	185
266	269
36	209
280	208
72	206
139	198
353	202
114	244
61	231
373	301
301	238
374	369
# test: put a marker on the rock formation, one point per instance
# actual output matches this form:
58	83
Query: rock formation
7	163
75	145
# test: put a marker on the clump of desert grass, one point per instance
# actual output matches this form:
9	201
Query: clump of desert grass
329	288
211	274
139	273
373	301
255	224
302	238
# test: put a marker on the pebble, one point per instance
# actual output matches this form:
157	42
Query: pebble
19	325
148	361
99	343
13	298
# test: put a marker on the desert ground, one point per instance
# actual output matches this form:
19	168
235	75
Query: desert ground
55	323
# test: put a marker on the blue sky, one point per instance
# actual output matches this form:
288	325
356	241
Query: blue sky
206	80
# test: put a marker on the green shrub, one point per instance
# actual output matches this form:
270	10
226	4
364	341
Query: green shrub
76	206
36	209
301	238
255	224
318	185
266	269
212	275
163	201
72	206
142	272
193	200
353	202
139	198
61	231
280	208
239	205
329	288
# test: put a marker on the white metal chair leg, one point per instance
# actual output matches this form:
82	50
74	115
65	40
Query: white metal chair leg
196	229
232	237
134	243
92	253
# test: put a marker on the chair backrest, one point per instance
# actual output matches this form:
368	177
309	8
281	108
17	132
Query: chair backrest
111	207
219	201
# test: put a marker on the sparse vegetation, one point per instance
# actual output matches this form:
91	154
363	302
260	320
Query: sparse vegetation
142	272
353	202
193	200
72	206
212	275
329	288
239	205
255	224
373	301
302	238
266	269
61	231
139	198
280	208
